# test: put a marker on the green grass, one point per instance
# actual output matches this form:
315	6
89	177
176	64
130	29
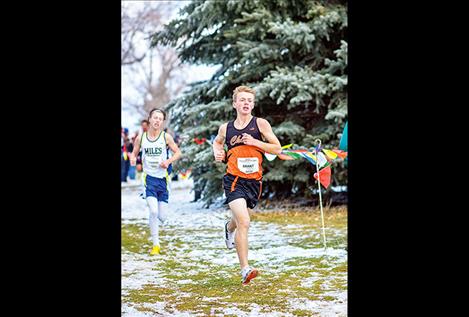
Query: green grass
221	284
135	238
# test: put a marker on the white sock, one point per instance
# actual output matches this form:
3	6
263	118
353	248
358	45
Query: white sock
153	219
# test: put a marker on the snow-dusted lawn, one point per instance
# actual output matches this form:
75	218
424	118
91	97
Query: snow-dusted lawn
197	276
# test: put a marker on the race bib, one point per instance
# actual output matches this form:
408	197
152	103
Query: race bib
154	162
248	165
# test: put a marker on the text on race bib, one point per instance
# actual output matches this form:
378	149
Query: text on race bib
248	165
154	161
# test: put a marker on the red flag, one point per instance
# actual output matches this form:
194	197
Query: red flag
325	176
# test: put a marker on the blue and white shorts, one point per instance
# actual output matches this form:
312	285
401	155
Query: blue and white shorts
156	187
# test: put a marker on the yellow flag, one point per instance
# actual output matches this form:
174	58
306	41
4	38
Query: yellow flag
311	155
330	154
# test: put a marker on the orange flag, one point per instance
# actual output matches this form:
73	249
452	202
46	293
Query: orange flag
324	176
340	153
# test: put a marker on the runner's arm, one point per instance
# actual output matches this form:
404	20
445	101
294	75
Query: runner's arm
218	142
271	146
174	147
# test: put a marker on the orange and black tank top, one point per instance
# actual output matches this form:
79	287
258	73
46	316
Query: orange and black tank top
243	160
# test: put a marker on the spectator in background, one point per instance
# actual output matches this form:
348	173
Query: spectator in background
122	155
130	148
125	163
143	128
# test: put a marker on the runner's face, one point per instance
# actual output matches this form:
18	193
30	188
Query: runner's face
244	103
156	120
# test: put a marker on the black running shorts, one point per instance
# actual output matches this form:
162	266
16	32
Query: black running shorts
237	187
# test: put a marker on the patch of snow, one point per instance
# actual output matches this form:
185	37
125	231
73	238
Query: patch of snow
194	237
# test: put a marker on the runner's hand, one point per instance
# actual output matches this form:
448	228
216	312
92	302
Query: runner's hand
165	164
219	156
248	139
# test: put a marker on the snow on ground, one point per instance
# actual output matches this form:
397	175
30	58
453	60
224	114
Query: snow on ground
193	236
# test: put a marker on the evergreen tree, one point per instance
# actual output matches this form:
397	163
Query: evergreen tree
293	52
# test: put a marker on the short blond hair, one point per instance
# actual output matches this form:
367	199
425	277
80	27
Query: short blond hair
243	89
